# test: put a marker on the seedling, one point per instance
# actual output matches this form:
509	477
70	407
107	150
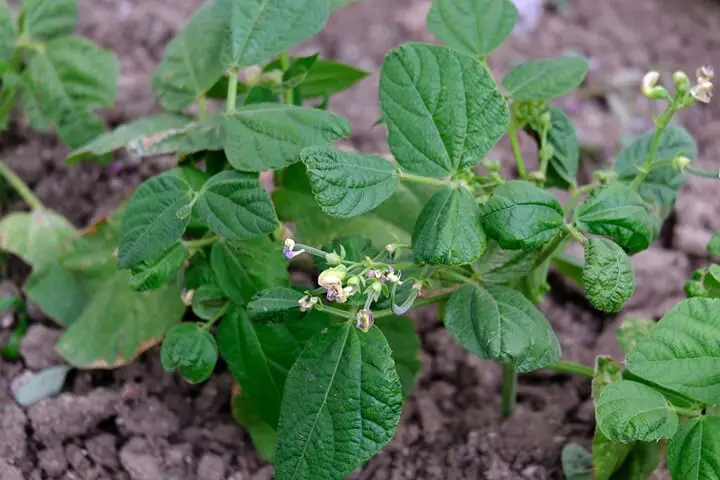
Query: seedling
322	370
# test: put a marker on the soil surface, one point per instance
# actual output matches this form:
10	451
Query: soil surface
139	422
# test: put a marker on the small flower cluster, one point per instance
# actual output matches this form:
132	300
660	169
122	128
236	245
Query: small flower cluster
702	91
685	93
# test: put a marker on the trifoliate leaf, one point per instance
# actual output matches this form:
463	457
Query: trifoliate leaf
155	272
545	79
629	411
662	183
519	215
154	218
273	303
347	184
682	352
38	237
43	20
608	277
242	269
271	136
441	107
498	323
192	63
474	27
498	265
448	231
341	405
191	350
618	212
259	29
694	452
405	346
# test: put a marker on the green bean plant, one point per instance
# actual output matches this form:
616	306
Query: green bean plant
322	367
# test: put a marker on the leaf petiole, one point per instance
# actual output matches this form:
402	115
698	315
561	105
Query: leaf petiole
200	243
517	152
509	390
335	311
647	166
572	368
426	180
20	187
688	412
232	91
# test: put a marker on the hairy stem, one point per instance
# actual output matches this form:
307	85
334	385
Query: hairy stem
509	388
702	173
426	180
647	166
572	368
232	91
20	187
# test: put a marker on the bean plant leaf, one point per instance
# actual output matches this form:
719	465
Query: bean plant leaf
258	29
192	63
498	323
326	78
191	350
564	164
271	136
243	269
694	452
405	346
8	33
713	247
618	212
335	4
545	79
236	206
473	27
263	436
273	302
43	20
342	404
441	108
629	411
209	302
577	462
156	272
644	458
498	265
519	215
632	331
153	219
607	278
681	351
38	237
448	231
661	185
347	184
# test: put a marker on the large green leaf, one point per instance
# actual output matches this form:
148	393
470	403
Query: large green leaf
157	271
519	215
564	164
236	206
498	265
474	27
341	405
694	451
39	237
441	108
8	33
405	346
258	29
43	19
327	78
498	323
193	59
273	303
545	79
619	212
628	411
662	183
154	218
271	136
448	231
192	350
682	352
348	184
607	276
243	269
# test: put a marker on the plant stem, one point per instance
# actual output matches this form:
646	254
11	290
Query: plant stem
232	91
702	173
688	412
387	312
509	388
200	243
662	123
426	180
576	194
576	234
550	250
335	311
285	65
452	275
517	152
569	266
20	187
572	368
202	107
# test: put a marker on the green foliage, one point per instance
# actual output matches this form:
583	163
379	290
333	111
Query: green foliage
405	346
191	350
272	303
519	215
44	20
545	79
577	462
327	78
441	108
607	277
472	27
565	161
694	452
37	237
448	231
714	245
632	331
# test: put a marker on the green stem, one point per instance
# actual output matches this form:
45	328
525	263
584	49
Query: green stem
569	266
232	91
688	412
335	311
420	302
572	368
426	180
509	389
200	243
20	187
202	106
208	325
452	275
662	123
575	233
702	173
544	159
576	195
285	65
517	152
550	250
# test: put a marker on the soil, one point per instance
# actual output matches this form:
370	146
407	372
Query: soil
139	422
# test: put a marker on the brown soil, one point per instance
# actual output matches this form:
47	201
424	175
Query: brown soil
139	422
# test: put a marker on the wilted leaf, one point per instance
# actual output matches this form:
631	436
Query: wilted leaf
39	237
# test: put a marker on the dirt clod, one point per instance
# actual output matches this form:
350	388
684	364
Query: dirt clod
13	439
211	467
37	348
140	460
53	461
103	450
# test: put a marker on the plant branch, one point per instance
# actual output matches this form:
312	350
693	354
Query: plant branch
232	91
426	180
550	249
335	311
20	187
517	152
509	388
572	368
647	166
285	65
200	243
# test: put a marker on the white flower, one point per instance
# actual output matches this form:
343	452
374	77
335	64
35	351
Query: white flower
702	92
365	320
307	303
332	277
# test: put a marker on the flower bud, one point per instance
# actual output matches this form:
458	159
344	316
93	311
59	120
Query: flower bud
681	162
333	259
650	88
375	287
365	320
681	81
332	277
289	249
187	297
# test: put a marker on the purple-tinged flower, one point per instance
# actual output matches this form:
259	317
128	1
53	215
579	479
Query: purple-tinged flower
365	320
289	249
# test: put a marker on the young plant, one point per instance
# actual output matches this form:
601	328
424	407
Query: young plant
56	78
322	370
